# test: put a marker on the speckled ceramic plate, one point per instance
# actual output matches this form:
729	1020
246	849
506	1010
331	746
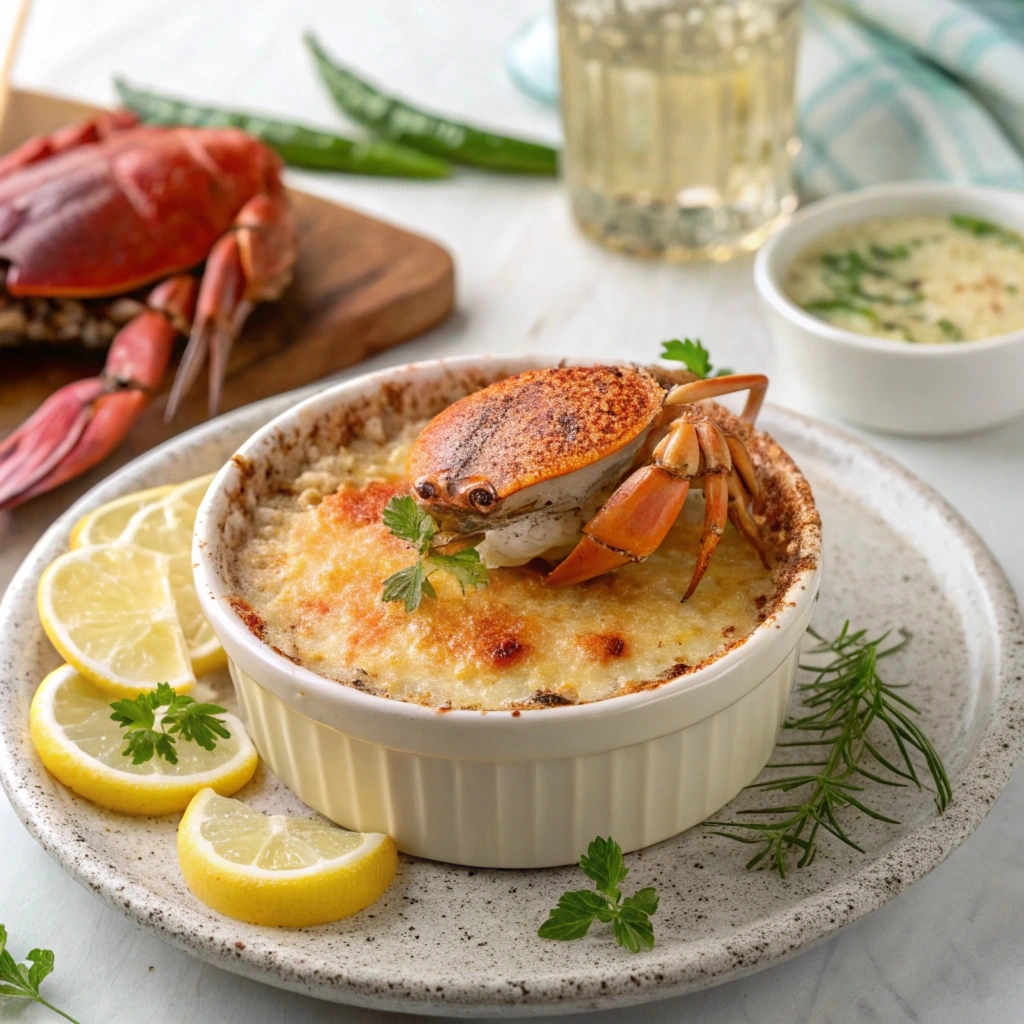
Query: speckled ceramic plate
454	941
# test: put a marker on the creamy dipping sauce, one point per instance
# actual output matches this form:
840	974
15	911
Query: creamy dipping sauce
310	570
928	280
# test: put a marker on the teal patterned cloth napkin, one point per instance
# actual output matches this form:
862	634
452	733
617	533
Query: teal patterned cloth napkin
887	90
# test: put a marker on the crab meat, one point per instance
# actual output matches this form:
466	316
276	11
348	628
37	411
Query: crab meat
586	466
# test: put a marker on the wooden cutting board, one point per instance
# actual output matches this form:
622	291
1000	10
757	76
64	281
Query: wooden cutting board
360	286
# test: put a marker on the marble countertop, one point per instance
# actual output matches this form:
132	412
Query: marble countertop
947	950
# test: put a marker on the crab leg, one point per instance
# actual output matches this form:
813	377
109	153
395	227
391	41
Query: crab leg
717	470
739	500
743	464
698	390
42	146
635	519
252	263
82	423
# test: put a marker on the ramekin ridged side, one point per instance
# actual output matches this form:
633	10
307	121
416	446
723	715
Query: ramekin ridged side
520	814
501	789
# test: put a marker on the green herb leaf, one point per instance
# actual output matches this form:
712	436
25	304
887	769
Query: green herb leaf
573	916
604	865
840	306
22	981
693	355
633	930
851	264
578	909
465	566
645	900
408	522
950	331
985	228
892	252
848	711
196	722
408	585
184	717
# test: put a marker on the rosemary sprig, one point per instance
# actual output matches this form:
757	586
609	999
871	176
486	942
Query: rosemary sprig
847	707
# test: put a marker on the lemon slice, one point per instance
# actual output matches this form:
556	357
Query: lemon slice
109	611
276	870
107	523
77	741
166	526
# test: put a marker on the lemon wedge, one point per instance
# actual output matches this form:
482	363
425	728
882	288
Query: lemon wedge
166	525
110	612
73	733
277	870
107	523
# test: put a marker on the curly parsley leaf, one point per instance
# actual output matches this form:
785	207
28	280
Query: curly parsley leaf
465	566
195	722
408	585
577	910
185	718
408	522
693	355
22	981
603	864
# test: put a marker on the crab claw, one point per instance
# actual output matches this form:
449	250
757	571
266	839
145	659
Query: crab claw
82	423
637	517
253	263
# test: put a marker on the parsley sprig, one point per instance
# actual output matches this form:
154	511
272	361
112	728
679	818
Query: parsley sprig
848	707
630	918
407	521
693	355
185	718
22	981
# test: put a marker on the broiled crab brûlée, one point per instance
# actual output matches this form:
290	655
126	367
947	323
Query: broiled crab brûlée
672	494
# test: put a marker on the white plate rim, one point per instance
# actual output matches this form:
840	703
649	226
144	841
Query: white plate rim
750	948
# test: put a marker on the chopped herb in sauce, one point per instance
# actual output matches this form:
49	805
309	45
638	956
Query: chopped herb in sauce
889	252
840	306
986	229
950	330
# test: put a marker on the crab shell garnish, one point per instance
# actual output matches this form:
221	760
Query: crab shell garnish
528	451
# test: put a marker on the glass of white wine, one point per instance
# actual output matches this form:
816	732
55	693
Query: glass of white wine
679	122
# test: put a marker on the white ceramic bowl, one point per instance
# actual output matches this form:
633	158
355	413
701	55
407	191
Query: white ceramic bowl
895	386
501	788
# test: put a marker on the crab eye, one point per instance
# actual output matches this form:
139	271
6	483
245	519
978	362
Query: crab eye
481	497
426	490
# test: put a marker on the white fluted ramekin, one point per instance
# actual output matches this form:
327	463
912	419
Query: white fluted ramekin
926	390
498	789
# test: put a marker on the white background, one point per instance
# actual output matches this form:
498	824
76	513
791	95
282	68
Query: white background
950	949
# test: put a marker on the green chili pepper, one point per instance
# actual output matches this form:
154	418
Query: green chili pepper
297	145
461	143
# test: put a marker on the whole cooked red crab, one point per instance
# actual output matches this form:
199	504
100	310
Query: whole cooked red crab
108	208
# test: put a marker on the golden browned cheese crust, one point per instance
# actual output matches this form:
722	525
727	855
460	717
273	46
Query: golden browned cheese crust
537	425
311	570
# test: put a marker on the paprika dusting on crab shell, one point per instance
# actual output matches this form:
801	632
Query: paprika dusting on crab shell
535	426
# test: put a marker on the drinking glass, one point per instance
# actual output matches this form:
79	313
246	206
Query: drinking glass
679	122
